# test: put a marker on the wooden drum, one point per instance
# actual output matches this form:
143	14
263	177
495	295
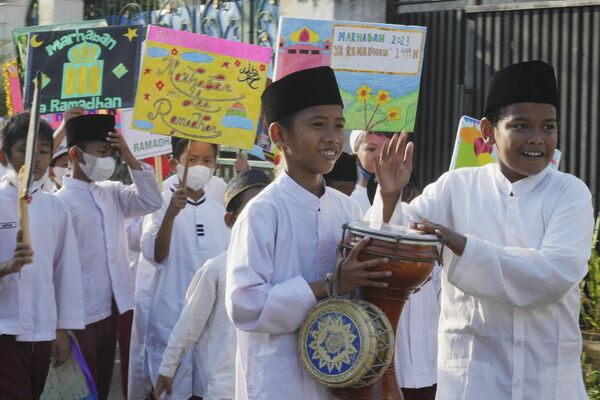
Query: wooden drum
412	256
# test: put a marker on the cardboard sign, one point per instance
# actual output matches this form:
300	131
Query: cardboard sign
93	68
201	88
471	151
142	144
12	87
378	66
21	35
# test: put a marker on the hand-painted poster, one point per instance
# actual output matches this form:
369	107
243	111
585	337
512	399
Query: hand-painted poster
470	150
142	144
21	35
378	66
93	68
12	87
201	88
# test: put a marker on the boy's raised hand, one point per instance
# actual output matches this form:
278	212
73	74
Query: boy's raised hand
118	143
177	203
22	255
354	273
395	165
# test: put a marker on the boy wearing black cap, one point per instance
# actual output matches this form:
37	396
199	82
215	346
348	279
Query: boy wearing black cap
98	208
518	236
284	242
204	319
40	293
343	176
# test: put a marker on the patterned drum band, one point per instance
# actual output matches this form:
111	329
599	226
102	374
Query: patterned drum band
346	343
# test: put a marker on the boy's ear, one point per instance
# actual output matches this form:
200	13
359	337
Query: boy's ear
75	156
229	219
487	131
276	134
172	165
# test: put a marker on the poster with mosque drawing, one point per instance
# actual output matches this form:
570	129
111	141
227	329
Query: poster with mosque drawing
93	68
200	87
470	150
378	66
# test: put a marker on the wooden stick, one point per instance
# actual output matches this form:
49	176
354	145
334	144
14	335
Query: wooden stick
183	183
158	171
22	207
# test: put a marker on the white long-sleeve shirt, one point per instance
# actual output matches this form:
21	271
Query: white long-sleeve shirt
199	233
98	211
284	238
205	320
509	324
48	294
416	336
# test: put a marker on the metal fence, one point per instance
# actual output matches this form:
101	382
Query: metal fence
464	47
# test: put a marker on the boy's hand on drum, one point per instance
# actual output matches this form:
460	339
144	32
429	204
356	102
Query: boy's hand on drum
453	240
354	273
395	165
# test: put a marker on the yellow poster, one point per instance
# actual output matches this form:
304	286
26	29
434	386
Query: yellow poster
201	88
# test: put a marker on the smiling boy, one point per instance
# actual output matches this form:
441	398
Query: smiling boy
518	236
284	242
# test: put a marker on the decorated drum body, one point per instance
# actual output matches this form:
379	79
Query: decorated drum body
344	343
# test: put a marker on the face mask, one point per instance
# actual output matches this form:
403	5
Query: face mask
60	173
97	169
197	177
364	173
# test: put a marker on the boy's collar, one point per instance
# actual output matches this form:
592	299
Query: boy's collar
522	186
300	194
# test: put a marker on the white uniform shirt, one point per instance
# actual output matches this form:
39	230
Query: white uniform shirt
204	319
199	233
214	188
362	198
98	210
509	324
416	336
285	238
48	294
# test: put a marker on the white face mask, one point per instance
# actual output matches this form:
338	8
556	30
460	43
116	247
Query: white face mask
13	178
60	173
197	177
97	169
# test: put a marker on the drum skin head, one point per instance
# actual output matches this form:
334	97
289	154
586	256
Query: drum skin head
344	343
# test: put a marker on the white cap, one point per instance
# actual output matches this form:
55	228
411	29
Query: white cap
354	135
61	149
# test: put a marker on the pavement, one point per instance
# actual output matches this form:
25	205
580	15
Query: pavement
116	393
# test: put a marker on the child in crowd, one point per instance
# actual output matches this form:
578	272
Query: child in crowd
343	176
367	148
518	236
99	208
204	318
40	301
178	239
284	242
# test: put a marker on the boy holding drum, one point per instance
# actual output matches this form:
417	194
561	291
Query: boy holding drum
284	242
518	237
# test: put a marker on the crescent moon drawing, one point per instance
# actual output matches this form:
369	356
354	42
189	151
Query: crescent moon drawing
34	42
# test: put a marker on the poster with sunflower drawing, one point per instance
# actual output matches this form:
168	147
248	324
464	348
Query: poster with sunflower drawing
378	66
200	87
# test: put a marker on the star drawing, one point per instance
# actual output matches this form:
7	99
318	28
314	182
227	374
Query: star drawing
131	33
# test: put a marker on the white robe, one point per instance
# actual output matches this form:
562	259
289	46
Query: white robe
285	238
204	322
509	324
361	196
48	294
199	233
98	211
